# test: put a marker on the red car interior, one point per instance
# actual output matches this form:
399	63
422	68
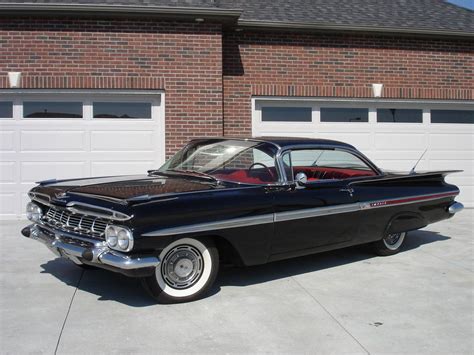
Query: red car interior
323	173
266	176
252	176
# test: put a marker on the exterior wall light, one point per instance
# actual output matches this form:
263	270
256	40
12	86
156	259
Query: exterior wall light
199	19
377	89
14	78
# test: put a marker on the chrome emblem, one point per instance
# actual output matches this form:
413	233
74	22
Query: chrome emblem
60	195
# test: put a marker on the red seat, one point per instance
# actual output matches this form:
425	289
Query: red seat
252	176
323	173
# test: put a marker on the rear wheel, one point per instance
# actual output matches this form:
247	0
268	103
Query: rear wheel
186	272
390	244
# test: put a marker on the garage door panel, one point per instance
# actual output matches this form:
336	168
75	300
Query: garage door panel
399	155
446	128
458	179
36	171
467	166
7	141
401	141
8	171
122	141
285	129
458	142
123	156
286	134
357	139
52	140
24	199
121	167
466	196
7	203
400	165
456	156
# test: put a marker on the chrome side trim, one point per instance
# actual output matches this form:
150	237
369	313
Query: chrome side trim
399	201
96	211
299	214
455	207
316	212
204	227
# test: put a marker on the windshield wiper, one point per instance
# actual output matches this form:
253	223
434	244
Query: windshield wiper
195	173
157	172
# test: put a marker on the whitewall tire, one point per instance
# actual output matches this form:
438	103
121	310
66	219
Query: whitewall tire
390	244
187	270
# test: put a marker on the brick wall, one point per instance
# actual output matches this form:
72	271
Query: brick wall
268	64
192	61
184	59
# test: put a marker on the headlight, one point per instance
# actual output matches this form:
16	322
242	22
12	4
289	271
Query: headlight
33	212
119	238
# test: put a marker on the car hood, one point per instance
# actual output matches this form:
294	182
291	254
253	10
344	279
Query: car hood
127	188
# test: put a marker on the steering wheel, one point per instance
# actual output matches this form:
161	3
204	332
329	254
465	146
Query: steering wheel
264	166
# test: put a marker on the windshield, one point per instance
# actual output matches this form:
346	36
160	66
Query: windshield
234	160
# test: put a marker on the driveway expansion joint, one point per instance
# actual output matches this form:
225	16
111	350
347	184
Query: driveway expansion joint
67	313
331	315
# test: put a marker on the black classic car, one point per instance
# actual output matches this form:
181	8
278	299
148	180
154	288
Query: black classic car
247	201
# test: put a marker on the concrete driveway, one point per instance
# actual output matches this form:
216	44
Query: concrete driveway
347	301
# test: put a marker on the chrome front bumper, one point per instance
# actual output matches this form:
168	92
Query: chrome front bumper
91	252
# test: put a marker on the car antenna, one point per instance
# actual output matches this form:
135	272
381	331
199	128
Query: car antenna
412	171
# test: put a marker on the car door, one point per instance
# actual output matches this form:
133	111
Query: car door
323	211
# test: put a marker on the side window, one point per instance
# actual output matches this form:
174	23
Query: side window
253	165
249	158
325	164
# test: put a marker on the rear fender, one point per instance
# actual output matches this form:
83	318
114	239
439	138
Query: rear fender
404	222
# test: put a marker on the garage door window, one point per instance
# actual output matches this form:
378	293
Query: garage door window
452	116
65	109
399	115
6	109
122	110
286	114
342	114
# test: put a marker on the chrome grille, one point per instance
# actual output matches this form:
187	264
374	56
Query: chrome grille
67	221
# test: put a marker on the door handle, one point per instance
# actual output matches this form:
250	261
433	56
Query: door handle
350	190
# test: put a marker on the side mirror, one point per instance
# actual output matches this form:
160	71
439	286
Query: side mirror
301	179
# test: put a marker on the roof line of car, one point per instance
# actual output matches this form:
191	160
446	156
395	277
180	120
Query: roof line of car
326	144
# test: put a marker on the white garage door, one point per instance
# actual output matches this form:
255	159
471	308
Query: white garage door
50	135
392	134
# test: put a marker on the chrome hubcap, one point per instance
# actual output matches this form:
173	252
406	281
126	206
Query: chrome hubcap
392	239
182	266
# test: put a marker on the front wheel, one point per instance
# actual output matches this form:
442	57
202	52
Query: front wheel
390	244
186	272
